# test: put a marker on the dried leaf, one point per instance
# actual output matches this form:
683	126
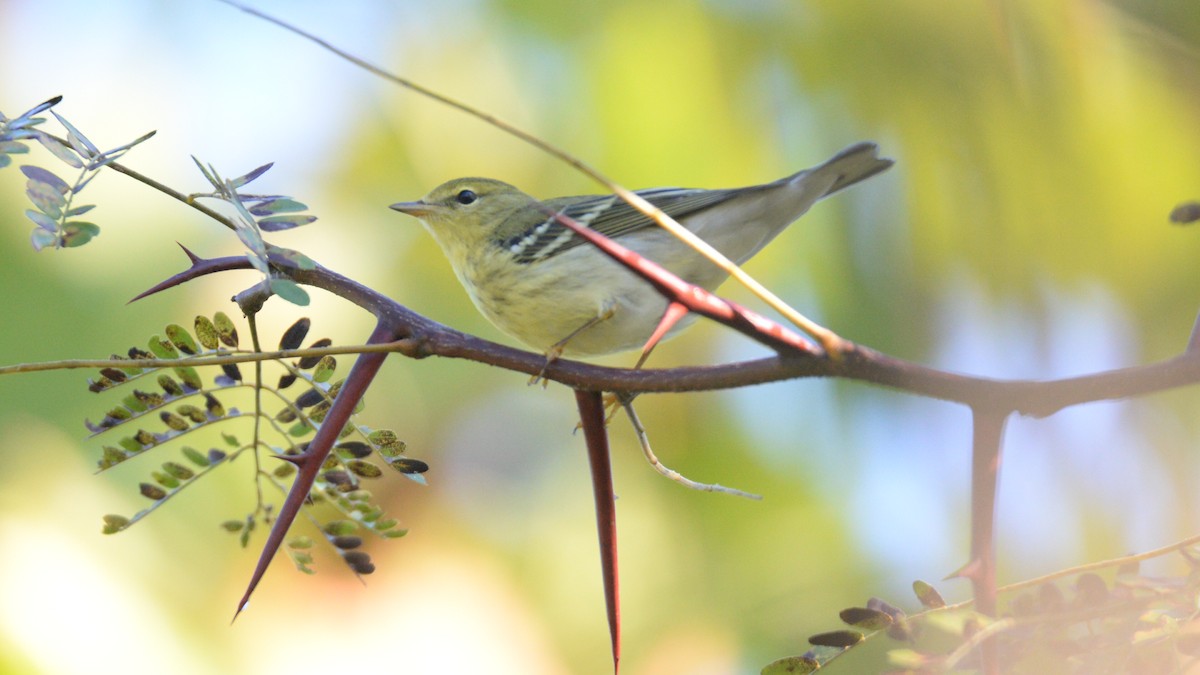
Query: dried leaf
152	491
182	339
226	331
838	638
294	336
865	618
114	524
353	450
309	362
347	542
928	595
364	469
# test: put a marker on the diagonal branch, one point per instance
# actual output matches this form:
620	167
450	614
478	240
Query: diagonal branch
310	461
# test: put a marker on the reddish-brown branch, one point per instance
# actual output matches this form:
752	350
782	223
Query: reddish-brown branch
1029	397
310	461
987	451
591	418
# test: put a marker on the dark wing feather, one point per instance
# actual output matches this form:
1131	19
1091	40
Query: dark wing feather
609	215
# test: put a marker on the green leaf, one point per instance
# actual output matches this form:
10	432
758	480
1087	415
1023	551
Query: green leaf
190	378
42	239
195	456
178	471
325	369
294	257
47	200
15	148
384	524
281	223
233	525
114	524
792	665
248	177
206	332
42	220
300	542
907	659
386	442
62	152
191	412
162	348
76	138
290	291
78	233
277	205
340	528
37	174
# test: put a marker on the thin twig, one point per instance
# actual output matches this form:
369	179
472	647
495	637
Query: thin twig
663	469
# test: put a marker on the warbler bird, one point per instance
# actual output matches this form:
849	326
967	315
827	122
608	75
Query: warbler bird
539	282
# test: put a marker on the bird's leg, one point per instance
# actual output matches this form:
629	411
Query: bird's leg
674	312
556	350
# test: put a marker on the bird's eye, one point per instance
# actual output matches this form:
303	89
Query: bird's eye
466	197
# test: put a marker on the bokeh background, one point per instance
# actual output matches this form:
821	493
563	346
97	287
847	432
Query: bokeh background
1023	233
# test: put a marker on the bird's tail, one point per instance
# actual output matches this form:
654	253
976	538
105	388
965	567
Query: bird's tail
857	162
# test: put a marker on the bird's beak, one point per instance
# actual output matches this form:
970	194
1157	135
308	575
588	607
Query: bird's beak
416	209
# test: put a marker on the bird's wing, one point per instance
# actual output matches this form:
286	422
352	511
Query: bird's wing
608	215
